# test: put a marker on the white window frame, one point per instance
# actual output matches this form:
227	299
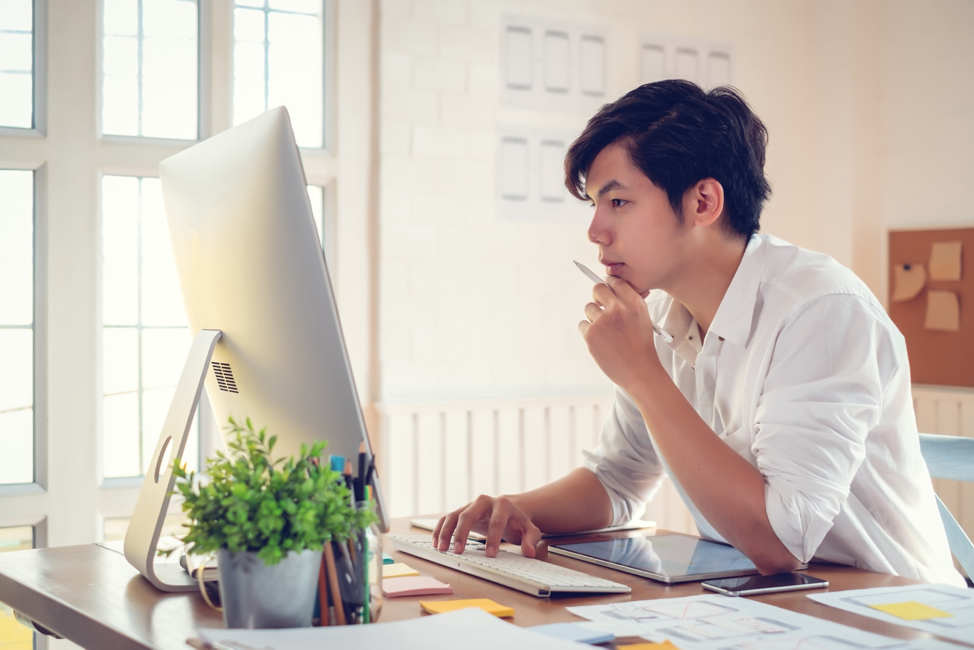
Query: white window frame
70	499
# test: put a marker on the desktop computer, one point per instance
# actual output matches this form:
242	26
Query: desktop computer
268	341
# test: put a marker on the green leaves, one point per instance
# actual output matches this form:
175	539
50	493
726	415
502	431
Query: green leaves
254	503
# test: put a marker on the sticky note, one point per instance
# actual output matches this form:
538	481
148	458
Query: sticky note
573	632
415	586
665	645
398	570
908	281
943	311
486	604
945	260
912	610
387	559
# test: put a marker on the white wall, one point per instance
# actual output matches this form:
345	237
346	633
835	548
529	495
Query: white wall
474	305
927	128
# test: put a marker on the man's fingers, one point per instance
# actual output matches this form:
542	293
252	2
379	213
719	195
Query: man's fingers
529	540
480	509
592	312
497	525
444	530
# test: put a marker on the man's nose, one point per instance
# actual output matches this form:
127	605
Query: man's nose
597	234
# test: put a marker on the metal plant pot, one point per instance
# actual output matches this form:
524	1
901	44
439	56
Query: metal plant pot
256	596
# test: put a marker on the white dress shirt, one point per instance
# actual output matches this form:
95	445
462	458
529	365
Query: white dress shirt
804	375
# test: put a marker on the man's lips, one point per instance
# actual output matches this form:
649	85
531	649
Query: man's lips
611	268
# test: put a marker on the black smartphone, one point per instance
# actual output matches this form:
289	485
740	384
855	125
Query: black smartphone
752	585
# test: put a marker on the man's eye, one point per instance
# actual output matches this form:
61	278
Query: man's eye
618	203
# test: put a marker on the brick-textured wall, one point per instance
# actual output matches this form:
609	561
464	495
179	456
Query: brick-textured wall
470	305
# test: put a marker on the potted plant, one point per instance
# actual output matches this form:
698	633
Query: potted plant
268	521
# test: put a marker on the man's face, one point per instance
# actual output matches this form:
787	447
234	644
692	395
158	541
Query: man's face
640	238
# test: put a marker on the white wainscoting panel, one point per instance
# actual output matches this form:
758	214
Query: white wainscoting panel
437	456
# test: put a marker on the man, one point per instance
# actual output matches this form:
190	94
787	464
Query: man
776	394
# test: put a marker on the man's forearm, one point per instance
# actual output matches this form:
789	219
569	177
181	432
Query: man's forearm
726	489
575	502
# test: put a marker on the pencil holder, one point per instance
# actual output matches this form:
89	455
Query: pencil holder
350	583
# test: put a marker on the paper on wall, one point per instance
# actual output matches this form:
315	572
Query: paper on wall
945	260
943	311
908	281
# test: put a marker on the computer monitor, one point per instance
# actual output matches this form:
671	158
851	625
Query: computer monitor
259	301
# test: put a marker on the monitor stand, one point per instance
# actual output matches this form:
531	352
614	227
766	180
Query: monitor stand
152	506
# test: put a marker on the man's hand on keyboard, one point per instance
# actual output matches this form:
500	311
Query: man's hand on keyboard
497	517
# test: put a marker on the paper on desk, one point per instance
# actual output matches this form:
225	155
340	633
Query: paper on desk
398	570
470	629
957	602
415	586
943	311
945	260
908	281
578	631
484	604
712	622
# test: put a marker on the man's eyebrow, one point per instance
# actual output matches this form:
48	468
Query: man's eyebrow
608	187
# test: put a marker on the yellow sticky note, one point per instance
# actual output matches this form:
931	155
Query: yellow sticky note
398	570
945	260
486	604
943	311
665	645
911	610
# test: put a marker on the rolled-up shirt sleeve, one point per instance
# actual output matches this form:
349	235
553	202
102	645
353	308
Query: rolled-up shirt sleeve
823	393
625	461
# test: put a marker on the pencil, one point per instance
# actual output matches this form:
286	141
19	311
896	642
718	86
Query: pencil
323	594
336	596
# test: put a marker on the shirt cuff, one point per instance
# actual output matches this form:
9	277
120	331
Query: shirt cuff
799	527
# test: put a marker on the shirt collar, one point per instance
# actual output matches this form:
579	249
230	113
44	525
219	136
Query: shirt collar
735	314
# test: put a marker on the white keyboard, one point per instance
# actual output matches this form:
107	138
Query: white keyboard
529	575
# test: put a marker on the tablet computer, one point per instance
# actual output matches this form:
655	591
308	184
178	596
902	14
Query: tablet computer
670	558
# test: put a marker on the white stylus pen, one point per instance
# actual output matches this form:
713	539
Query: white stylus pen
596	279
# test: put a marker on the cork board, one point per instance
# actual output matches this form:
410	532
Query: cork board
937	319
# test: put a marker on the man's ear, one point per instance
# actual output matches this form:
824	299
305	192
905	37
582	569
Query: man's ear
703	203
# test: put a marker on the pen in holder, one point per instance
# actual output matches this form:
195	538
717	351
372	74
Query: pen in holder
350	584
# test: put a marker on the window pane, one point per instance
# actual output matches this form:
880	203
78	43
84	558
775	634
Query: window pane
16	247
162	298
17	442
16	326
120	357
121	435
288	36
150	68
14	635
17	63
121	17
146	338
120	250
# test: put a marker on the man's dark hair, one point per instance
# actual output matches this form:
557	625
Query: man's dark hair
678	134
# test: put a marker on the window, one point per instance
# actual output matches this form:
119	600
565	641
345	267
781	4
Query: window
145	335
17	63
278	59
149	65
17	326
84	392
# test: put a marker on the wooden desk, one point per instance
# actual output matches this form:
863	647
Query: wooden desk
92	596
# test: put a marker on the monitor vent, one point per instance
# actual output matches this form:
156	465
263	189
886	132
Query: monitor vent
224	377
